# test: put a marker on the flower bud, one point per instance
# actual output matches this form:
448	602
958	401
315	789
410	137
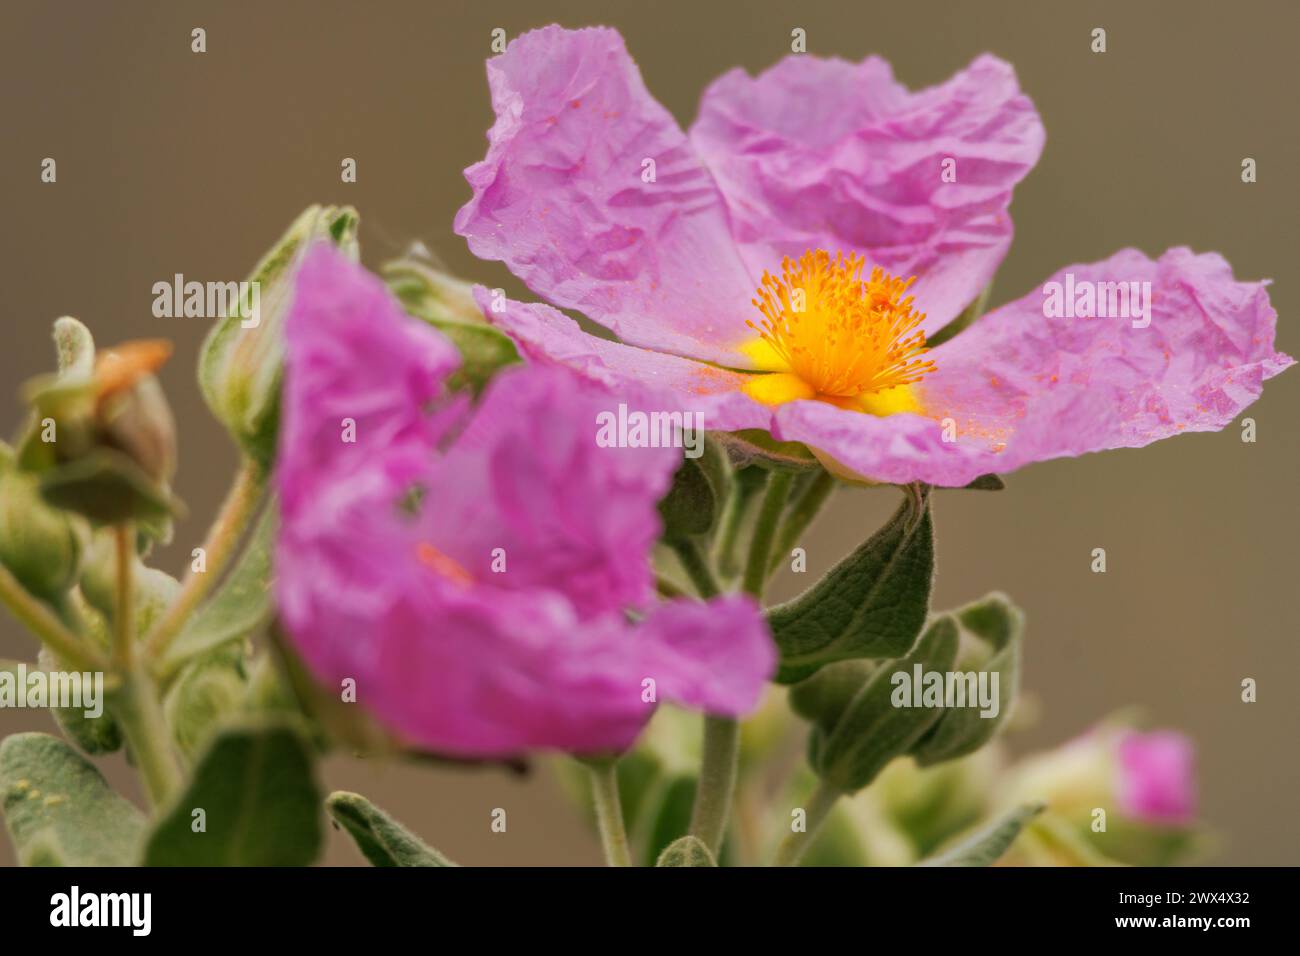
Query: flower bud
1130	795
242	361
102	438
40	546
447	304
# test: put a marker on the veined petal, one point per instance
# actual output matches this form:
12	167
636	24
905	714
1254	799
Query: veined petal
544	334
1020	386
817	153
591	193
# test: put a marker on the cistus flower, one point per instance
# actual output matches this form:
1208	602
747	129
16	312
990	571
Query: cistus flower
784	265
482	574
1146	777
1155	777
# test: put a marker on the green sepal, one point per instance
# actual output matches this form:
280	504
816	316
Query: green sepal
686	851
755	446
854	737
240	369
108	487
699	490
991	630
256	786
58	808
40	546
990	843
381	839
989	482
870	605
448	305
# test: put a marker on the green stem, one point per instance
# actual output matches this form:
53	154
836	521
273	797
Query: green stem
696	567
45	624
717	781
745	485
139	713
760	546
800	516
820	804
124	605
228	527
609	812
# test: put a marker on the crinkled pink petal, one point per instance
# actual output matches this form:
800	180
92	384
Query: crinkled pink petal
544	334
817	153
567	198
398	591
528	483
356	358
713	657
507	671
1157	777
1020	387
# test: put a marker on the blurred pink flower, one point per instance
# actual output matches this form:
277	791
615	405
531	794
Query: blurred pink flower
1155	777
715	257
482	574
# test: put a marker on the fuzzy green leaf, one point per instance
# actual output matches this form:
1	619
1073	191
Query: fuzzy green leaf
687	851
261	806
986	846
870	605
58	809
382	840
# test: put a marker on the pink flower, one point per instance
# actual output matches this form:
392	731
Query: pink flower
478	572
780	266
1155	777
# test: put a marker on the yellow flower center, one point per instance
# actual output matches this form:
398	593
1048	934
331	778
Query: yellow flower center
834	336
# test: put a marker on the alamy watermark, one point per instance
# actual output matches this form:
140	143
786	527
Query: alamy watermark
922	688
208	300
637	429
38	688
1084	299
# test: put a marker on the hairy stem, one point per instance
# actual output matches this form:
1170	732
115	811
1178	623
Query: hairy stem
609	813
124	603
237	511
754	580
696	567
45	624
820	804
717	781
800	516
138	711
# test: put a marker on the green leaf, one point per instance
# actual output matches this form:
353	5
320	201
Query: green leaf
986	846
261	806
699	489
854	738
382	840
58	808
688	851
872	604
991	630
240	606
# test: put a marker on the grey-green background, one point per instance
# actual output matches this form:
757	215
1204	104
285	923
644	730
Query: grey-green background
171	162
